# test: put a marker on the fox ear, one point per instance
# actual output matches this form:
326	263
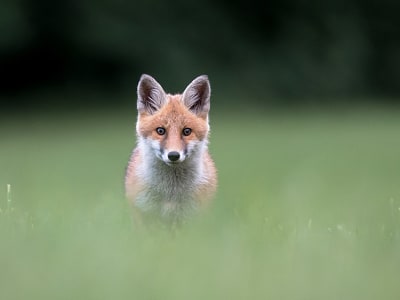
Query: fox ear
196	96
151	96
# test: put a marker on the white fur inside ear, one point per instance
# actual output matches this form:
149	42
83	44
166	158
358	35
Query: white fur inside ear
151	96
197	95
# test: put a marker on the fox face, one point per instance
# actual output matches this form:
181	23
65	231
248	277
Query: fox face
174	128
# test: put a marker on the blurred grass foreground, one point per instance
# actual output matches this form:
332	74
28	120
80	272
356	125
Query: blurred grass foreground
308	208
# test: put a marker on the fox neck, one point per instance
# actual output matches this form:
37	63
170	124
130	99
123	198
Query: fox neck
170	189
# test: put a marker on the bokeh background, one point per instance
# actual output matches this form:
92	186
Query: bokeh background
305	133
282	52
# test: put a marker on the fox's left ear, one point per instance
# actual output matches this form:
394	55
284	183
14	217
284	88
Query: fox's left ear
196	96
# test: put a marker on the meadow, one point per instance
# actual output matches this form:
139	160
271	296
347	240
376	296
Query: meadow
308	207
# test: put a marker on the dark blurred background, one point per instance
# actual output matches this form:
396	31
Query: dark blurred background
74	53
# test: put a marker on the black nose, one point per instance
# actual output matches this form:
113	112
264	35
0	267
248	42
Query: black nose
173	156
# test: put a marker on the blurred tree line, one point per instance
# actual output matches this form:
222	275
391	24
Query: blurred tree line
291	49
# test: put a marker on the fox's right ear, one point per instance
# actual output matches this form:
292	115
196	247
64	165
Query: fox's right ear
151	96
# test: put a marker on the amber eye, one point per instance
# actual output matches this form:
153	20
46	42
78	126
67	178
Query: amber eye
186	131
160	130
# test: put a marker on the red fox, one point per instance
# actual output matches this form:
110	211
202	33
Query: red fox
170	173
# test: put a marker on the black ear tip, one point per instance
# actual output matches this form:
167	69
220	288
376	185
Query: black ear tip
202	82
202	78
145	77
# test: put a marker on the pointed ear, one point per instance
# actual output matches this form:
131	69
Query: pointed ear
196	96
151	96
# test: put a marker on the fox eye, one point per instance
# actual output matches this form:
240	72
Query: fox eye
186	131
160	130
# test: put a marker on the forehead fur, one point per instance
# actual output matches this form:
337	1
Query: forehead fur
174	115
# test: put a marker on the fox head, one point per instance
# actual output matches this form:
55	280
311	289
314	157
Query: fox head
174	128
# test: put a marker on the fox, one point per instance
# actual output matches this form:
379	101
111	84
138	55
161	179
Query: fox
170	173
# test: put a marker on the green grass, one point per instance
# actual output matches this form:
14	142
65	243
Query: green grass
308	207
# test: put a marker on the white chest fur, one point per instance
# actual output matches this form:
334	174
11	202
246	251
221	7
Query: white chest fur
170	190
